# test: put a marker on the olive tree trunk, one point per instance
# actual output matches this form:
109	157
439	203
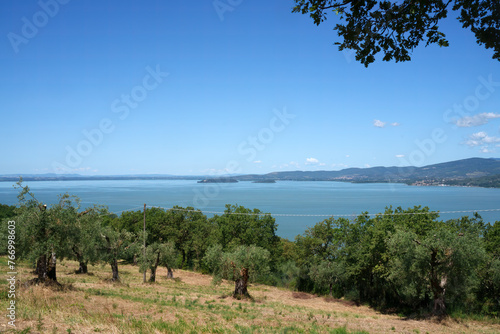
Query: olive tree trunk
114	269
152	278
83	268
438	286
51	268
41	268
170	273
240	285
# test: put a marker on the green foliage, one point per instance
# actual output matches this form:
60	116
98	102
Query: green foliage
190	230
327	273
187	228
213	260
492	239
158	254
420	266
192	233
488	293
241	226
319	252
43	230
403	258
288	274
229	265
58	231
7	211
396	28
85	237
116	245
490	181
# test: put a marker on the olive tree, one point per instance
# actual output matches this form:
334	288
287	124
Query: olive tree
114	246
158	254
86	237
43	232
243	264
440	266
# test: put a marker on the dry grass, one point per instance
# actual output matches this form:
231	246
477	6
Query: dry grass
190	304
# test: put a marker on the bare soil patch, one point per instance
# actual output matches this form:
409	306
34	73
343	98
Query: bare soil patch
302	295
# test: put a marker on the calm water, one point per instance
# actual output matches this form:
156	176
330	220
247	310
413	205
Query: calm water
292	198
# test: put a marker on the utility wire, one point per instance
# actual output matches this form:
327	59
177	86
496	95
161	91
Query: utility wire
325	215
303	215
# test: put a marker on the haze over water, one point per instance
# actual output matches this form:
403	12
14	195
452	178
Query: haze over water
288	198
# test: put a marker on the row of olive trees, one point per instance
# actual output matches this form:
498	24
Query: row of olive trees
47	234
179	237
239	245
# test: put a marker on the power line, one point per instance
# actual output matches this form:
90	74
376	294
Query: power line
326	215
304	215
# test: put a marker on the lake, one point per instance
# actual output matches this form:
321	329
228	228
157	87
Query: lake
296	205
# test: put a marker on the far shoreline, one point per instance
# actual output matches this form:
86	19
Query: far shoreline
197	180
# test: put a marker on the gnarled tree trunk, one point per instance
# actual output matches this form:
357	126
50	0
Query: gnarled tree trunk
438	286
439	305
82	269
41	268
51	268
438	291
114	269
152	278
240	285
45	269
170	273
82	264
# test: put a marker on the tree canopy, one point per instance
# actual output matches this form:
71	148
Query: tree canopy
7	211
243	264
395	28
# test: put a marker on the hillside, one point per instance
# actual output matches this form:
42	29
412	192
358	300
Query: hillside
190	304
455	170
490	181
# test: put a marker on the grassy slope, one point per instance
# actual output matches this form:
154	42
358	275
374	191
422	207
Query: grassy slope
190	304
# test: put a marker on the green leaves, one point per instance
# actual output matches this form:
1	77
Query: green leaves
157	254
243	226
229	265
492	239
421	266
395	29
403	258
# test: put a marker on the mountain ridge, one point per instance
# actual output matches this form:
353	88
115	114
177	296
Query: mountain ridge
458	169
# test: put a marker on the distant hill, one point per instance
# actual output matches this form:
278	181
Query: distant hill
455	170
468	172
77	177
492	181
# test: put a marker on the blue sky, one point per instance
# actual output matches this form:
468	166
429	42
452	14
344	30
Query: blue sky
141	87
